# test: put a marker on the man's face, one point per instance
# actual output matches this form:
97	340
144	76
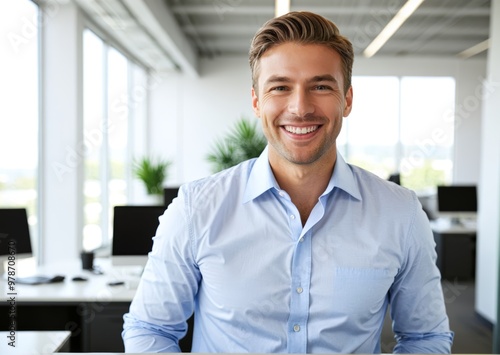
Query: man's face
301	102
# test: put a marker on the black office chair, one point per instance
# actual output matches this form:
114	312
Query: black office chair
186	342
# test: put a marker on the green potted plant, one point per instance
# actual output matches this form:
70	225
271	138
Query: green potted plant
244	141
152	172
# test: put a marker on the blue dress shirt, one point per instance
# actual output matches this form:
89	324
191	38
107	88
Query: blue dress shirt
232	249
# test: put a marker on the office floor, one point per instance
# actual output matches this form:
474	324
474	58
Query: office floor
473	335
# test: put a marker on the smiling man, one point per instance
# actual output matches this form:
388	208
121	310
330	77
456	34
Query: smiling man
300	98
296	251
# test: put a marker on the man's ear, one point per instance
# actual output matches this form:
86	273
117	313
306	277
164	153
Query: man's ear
348	102
255	103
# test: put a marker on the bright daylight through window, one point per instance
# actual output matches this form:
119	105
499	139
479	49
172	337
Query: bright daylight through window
402	125
114	115
19	109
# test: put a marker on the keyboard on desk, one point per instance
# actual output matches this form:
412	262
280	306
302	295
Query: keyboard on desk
37	280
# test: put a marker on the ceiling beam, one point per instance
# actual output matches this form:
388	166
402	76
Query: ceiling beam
246	30
450	46
246	10
159	20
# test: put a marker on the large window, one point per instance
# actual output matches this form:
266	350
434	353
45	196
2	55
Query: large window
371	132
402	125
19	111
427	131
114	117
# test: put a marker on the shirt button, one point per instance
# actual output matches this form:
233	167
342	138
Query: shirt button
300	289
281	193
296	328
292	216
301	240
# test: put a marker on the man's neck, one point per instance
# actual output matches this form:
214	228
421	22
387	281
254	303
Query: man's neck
304	183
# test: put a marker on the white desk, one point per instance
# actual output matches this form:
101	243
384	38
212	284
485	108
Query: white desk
92	310
442	225
35	342
96	287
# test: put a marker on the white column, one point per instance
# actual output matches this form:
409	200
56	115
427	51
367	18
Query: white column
489	187
61	160
470	74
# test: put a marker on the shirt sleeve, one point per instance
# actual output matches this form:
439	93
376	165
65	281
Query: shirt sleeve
417	308
164	300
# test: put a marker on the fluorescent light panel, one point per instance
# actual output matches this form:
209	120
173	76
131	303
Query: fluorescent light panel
281	7
402	15
472	51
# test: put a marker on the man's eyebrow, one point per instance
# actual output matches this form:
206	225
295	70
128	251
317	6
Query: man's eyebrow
277	79
284	79
325	77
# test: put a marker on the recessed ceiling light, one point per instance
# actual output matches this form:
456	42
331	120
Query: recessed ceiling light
476	49
402	15
281	7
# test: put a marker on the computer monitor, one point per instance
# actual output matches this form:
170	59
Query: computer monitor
169	193
395	178
457	201
15	239
133	230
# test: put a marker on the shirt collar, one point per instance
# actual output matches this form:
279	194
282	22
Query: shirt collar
261	178
344	179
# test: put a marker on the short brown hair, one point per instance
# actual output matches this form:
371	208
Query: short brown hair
305	28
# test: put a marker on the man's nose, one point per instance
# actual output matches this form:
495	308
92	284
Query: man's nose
300	103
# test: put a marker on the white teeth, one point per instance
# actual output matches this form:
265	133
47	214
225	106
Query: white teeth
301	130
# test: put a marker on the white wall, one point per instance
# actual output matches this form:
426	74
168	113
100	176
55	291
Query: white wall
468	114
62	147
489	195
189	114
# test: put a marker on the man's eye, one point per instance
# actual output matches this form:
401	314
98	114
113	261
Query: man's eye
279	88
322	87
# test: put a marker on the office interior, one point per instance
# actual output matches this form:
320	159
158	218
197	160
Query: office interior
197	84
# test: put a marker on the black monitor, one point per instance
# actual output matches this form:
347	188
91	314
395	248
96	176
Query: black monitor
133	230
395	178
15	237
457	201
169	193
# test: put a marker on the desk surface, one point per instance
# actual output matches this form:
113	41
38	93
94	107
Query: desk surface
445	226
34	342
96	288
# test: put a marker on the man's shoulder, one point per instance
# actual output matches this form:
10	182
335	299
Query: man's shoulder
228	181
371	184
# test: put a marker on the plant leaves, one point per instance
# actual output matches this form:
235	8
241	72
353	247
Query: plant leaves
244	141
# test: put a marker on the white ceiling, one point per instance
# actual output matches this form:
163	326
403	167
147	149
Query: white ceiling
173	34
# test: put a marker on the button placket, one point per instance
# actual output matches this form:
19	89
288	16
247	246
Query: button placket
299	306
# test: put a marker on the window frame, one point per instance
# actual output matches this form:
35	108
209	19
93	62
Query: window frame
132	63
